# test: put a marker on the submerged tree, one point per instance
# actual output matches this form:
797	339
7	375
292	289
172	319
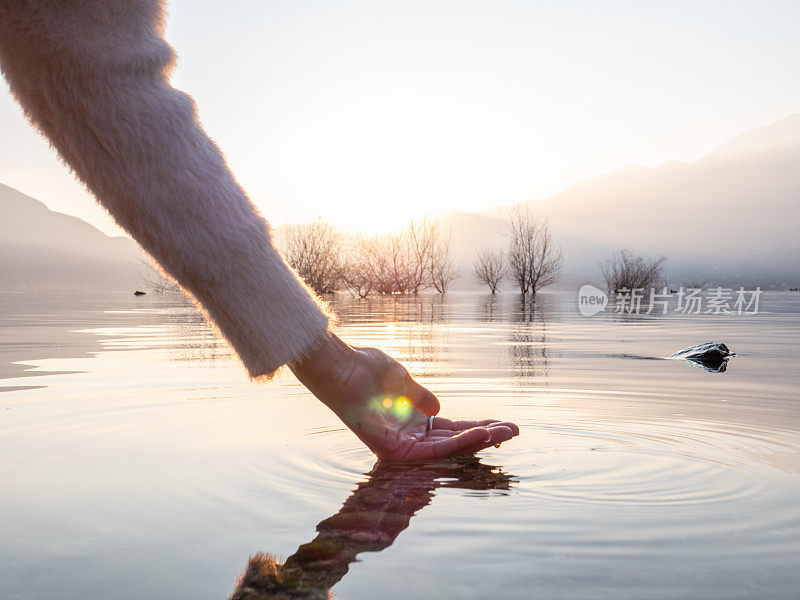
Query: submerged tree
381	264
396	267
407	261
625	270
357	272
534	259
422	239
314	251
154	278
443	271
488	268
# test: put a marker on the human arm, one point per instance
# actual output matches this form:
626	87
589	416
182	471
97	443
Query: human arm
93	77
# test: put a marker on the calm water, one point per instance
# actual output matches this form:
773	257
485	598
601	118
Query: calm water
137	461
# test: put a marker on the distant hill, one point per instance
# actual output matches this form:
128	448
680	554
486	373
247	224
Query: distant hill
40	248
730	217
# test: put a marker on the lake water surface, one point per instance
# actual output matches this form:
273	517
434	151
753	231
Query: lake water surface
138	462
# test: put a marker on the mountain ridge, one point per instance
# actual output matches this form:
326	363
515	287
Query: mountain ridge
725	217
722	217
42	248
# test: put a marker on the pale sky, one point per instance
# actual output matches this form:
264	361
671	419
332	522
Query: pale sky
369	113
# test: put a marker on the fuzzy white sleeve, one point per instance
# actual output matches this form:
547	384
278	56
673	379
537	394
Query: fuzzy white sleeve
93	76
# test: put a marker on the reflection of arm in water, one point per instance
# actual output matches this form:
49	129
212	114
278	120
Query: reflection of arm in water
93	76
369	521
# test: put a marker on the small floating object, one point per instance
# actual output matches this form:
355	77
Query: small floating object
139	293
711	356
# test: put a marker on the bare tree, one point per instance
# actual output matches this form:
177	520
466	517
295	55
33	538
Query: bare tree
357	271
381	264
534	259
314	251
422	239
155	280
488	268
397	269
625	270
402	262
443	271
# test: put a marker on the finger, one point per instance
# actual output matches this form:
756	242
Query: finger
421	397
456	445
441	433
497	435
442	423
512	426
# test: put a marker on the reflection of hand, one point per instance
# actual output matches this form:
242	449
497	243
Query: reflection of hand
379	401
369	521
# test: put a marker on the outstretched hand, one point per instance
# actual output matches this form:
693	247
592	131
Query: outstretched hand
378	400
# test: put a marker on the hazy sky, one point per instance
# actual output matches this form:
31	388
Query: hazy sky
371	112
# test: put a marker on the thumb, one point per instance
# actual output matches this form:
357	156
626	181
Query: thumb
421	398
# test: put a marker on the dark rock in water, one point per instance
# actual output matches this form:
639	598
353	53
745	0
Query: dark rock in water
711	356
139	293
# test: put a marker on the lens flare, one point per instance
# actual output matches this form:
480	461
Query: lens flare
399	406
